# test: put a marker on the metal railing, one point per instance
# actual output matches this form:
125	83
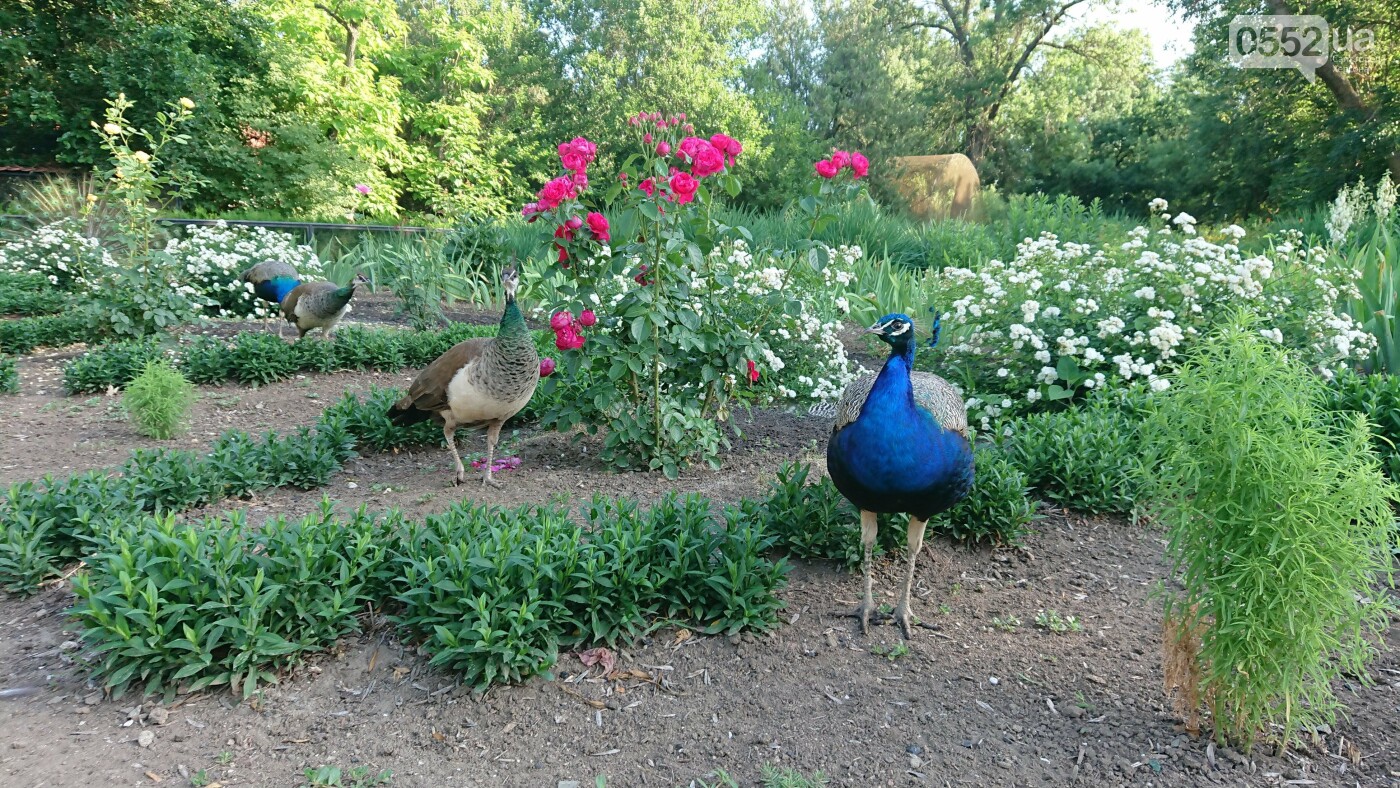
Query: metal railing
308	229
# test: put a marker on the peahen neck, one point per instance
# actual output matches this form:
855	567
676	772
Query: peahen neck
512	322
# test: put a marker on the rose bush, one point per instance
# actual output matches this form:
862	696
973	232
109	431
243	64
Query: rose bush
664	334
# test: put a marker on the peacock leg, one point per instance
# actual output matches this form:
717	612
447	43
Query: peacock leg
916	543
493	433
867	542
449	431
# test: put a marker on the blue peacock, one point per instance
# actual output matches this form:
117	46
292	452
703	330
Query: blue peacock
900	446
306	305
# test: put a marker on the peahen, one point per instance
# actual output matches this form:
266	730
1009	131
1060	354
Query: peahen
318	305
481	382
272	281
899	445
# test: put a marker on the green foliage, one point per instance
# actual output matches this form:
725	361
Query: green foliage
257	359
1278	521
1377	397
368	421
815	521
115	364
496	594
358	777
28	295
174	608
27	333
9	376
1051	620
1082	458
158	401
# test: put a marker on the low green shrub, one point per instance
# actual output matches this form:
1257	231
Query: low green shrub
28	295
257	359
1279	523
1377	396
9	376
815	521
27	333
111	365
494	594
368	421
1082	458
170	607
158	401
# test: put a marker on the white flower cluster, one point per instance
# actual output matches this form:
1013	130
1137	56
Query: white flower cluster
1354	204
210	259
59	252
1062	317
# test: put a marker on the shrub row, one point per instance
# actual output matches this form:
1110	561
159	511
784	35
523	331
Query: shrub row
9	376
259	358
28	295
26	333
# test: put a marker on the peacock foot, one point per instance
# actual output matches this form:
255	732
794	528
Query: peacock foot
906	621
489	481
863	612
460	478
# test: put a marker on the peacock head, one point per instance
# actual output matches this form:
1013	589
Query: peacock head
510	281
896	329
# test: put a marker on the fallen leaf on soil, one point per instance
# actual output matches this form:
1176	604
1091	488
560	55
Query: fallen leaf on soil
153	777
295	741
438	736
599	656
510	727
681	637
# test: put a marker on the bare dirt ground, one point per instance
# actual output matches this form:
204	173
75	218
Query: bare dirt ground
983	697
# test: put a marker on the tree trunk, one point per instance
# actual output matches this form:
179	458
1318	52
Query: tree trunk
352	34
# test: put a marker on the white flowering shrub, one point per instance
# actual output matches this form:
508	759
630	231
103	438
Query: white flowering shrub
59	252
1356	204
210	259
1061	319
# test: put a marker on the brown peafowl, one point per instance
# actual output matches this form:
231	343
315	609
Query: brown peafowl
899	445
318	305
272	280
481	382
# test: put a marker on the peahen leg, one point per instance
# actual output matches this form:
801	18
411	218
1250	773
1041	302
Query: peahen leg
867	543
493	433
916	543
449	431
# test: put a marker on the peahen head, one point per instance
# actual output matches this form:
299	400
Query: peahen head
510	281
896	329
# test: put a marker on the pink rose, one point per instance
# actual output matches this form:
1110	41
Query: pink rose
663	148
568	339
587	319
574	223
841	159
826	169
563	256
361	188
588	149
555	192
727	145
571	158
598	224
707	160
560	320
546	367
859	165
688	147
648	186
683	187
580	181
563	231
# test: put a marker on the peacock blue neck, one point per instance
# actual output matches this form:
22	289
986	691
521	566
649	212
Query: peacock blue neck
892	387
512	322
275	289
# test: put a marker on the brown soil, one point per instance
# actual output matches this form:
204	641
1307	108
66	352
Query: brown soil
971	703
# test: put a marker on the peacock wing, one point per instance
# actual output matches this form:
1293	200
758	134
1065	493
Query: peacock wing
270	269
852	400
429	390
289	304
938	397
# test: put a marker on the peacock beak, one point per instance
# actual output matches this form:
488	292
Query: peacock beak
875	329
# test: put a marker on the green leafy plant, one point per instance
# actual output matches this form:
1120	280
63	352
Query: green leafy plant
1377	397
1279	526
1006	623
9	376
27	333
29	295
112	365
1083	458
158	401
1052	621
358	777
891	653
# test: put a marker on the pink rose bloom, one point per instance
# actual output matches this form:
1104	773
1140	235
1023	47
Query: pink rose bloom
546	367
663	148
580	181
361	188
841	159
563	231
568	339
859	165
587	319
707	160
647	138
727	145
826	169
648	186
588	149
563	256
560	320
571	158
688	147
598	224
683	187
531	211
574	223
555	192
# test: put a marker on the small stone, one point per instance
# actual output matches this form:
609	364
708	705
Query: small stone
68	645
1096	679
146	738
568	784
183	770
158	715
735	640
914	749
1073	712
915	761
93	699
993	681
